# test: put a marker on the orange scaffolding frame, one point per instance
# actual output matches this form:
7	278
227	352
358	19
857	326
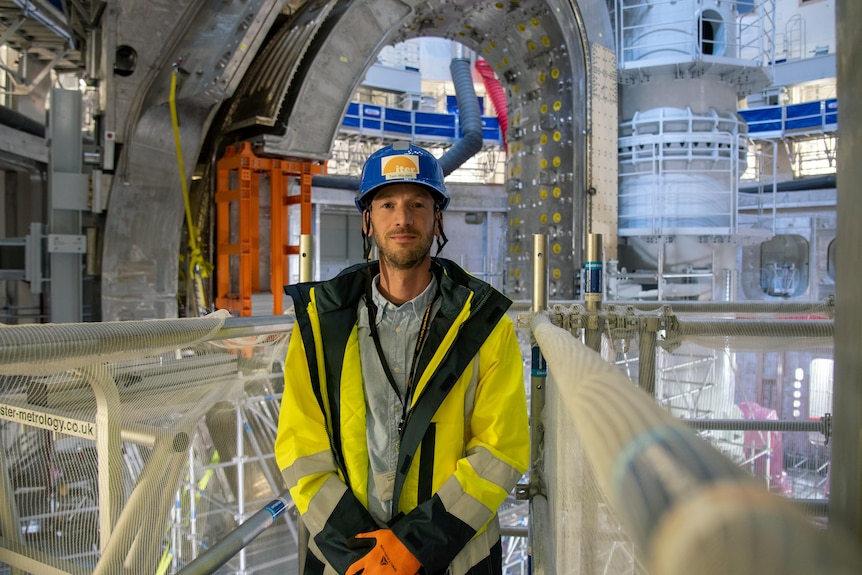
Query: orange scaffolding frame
249	168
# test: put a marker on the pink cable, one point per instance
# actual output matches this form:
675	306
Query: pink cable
497	94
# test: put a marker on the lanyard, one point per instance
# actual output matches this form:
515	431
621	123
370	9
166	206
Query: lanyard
423	331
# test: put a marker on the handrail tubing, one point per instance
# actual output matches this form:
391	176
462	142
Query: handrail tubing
221	552
52	341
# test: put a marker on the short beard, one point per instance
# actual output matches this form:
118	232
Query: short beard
401	260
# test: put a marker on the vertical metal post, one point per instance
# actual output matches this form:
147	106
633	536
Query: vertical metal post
67	198
247	221
592	339
489	248
306	253
108	449
660	270
316	208
277	233
593	291
176	522
540	273
539	512
193	506
647	340
254	228
538	367
240	477
845	496
728	284
224	249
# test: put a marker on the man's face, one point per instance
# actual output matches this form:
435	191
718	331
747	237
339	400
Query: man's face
403	224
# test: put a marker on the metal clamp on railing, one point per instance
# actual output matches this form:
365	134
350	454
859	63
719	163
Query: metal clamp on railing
826	427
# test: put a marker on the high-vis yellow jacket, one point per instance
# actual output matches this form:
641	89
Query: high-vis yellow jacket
463	448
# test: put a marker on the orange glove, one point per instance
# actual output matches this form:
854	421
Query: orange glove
388	556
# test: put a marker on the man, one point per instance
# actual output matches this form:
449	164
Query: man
403	424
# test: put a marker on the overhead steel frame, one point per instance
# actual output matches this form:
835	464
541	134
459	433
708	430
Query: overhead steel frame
248	168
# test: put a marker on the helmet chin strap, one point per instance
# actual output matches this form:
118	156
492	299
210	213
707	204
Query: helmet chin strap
441	237
366	234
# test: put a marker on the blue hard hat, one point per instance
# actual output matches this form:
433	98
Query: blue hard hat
397	163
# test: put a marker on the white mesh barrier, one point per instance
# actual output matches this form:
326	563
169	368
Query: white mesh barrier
134	447
754	379
131	447
631	488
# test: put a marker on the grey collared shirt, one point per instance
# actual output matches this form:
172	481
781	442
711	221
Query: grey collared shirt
398	327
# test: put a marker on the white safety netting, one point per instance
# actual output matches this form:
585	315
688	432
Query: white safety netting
131	447
718	464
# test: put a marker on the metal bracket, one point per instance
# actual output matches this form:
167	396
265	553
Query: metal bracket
33	258
826	427
526	491
524	319
67	244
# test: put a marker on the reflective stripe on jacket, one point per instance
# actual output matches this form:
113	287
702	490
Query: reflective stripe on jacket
465	443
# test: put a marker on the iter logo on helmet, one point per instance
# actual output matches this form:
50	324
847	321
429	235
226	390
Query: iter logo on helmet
401	162
399	167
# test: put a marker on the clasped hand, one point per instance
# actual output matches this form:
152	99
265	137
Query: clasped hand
388	556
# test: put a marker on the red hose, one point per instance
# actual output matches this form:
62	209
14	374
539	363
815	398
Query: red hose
497	94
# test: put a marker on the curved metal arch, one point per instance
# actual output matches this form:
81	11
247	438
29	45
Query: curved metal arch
543	51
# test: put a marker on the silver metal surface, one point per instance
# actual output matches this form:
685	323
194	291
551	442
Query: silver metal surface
23	144
65	161
539	531
356	33
300	87
540	272
539	54
210	44
259	99
845	510
306	257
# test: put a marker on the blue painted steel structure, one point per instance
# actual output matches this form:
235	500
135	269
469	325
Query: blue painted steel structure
778	121
379	121
428	127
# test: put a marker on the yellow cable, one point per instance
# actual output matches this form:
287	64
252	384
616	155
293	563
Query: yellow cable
198	267
168	553
164	562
